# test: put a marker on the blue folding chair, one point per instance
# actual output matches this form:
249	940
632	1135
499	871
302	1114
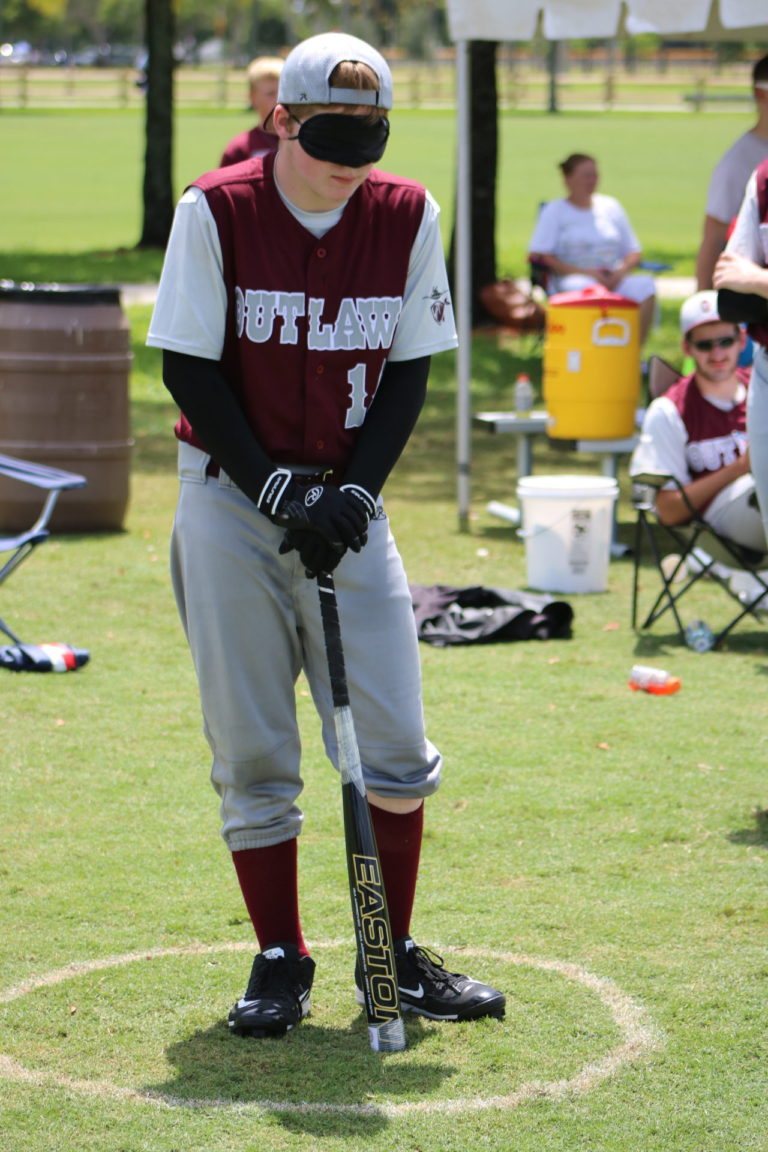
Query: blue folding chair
16	548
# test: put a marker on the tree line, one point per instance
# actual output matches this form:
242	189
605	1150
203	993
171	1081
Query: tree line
246	27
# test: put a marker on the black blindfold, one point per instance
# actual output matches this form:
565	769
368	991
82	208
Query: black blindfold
348	140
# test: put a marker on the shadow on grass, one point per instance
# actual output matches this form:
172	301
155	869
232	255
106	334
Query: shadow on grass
745	641
316	1080
704	600
112	266
756	836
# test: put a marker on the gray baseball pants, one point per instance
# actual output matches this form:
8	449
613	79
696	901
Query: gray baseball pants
252	620
757	428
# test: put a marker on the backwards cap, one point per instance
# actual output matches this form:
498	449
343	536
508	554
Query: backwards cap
306	74
701	308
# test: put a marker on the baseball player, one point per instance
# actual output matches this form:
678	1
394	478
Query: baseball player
302	296
263	75
743	268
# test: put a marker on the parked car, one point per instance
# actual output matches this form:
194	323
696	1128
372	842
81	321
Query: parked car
106	56
20	53
92	56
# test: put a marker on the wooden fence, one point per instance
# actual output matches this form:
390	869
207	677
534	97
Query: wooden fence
417	85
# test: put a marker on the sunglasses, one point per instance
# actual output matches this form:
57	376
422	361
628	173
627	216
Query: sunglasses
708	345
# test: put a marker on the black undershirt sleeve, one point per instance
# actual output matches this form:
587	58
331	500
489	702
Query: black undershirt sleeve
211	407
388	424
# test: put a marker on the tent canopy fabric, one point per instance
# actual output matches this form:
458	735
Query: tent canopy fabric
501	20
573	19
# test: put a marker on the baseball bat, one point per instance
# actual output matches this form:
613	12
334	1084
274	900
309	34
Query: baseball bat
370	918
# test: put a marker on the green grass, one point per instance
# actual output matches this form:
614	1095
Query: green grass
75	185
582	830
596	852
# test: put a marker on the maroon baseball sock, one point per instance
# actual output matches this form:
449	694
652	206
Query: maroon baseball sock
398	839
269	884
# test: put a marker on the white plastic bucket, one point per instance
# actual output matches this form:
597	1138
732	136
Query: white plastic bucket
567	527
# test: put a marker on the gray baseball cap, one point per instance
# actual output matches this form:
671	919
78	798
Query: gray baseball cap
305	78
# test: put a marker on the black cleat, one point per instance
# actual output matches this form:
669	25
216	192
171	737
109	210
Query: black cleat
427	989
278	994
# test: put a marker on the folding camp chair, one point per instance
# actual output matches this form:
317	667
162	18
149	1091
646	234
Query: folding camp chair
740	576
683	553
52	482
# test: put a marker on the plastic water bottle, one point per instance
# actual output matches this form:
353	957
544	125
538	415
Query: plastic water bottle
699	636
657	681
523	395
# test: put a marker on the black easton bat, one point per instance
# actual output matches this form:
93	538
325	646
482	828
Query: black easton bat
373	936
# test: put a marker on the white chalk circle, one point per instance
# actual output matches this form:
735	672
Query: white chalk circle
638	1038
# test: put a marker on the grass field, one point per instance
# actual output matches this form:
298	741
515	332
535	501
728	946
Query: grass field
75	184
598	853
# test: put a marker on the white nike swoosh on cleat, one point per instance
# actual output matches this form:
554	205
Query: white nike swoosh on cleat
416	993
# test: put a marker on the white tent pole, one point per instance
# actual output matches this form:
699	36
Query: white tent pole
463	282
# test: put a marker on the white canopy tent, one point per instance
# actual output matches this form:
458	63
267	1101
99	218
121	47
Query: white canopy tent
556	20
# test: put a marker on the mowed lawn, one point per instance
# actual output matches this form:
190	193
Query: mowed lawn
75	179
598	853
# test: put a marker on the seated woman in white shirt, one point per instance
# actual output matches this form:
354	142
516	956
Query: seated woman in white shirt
586	238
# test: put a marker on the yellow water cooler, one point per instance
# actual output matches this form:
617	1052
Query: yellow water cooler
591	365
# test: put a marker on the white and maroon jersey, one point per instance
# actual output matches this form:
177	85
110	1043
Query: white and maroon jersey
688	435
303	326
750	234
248	145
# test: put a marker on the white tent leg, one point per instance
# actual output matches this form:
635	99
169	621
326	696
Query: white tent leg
462	284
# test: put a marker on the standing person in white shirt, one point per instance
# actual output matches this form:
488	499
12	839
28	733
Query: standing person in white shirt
729	179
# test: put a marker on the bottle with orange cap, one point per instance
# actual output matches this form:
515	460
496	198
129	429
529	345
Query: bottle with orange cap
523	395
657	681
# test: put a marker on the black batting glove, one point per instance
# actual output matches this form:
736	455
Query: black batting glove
365	498
339	517
316	554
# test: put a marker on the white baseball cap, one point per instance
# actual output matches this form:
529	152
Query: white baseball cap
305	78
701	308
